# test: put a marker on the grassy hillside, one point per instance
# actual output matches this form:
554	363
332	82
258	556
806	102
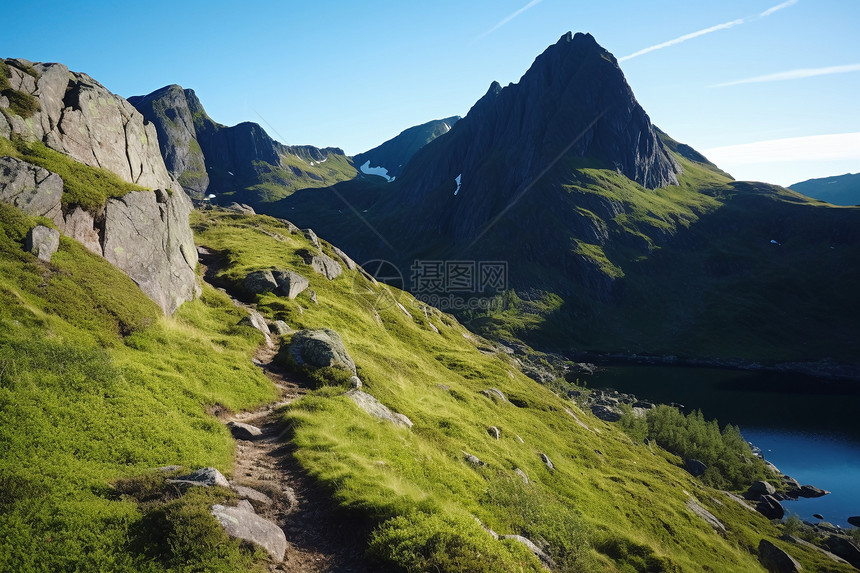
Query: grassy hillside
610	504
96	386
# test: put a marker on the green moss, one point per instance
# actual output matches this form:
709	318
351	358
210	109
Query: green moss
85	186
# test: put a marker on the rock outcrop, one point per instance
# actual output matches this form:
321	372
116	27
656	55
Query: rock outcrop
776	560
33	190
320	349
43	242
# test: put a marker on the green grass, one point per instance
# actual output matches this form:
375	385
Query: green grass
96	386
84	186
610	505
20	103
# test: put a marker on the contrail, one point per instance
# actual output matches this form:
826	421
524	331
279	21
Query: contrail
509	18
777	8
793	75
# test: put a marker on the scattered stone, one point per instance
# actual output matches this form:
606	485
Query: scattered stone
606	413
706	515
43	242
321	348
545	459
522	474
844	548
377	409
350	264
854	520
290	284
760	488
257	498
545	559
242	431
494	431
323	264
769	507
775	560
494	394
259	282
695	467
256	320
355	382
472	459
312	294
242	523
281	328
206	477
798	541
811	491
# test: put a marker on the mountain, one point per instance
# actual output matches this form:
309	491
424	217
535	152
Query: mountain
239	163
86	159
838	190
615	237
394	154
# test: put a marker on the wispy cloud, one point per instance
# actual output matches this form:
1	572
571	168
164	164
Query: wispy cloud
793	75
510	17
830	147
777	8
684	38
712	29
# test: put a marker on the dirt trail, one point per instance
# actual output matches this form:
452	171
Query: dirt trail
320	538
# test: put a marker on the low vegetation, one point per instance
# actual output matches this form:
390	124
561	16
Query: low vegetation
20	103
84	186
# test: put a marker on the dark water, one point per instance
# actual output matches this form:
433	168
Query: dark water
807	427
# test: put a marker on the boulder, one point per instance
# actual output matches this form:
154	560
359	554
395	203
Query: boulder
798	541
494	431
312	237
545	559
203	477
290	284
775	560
256	320
545	459
854	520
257	498
321	348
259	282
43	242
844	548
33	190
759	489
377	409
769	507
280	328
606	413
705	515
695	467
811	491
350	264
147	236
242	431
323	264
242	523
80	225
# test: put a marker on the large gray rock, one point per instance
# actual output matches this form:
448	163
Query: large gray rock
812	491
844	548
377	409
146	234
350	264
324	265
321	348
43	242
242	523
775	560
828	554
242	431
206	477
545	559
30	188
290	284
259	282
770	507
760	488
81	226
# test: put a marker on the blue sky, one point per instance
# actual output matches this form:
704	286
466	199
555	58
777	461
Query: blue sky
760	86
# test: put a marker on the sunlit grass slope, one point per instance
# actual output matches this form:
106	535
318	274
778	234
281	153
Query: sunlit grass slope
609	505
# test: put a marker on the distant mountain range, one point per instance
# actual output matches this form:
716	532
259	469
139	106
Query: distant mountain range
838	190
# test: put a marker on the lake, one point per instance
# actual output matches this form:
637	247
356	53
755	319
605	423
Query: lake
807	427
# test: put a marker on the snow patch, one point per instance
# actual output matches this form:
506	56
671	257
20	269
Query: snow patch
381	171
457	180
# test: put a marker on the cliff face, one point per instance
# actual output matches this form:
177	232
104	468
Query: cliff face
145	233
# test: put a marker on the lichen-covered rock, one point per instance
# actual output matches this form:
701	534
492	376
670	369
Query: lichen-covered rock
377	409
321	348
34	190
242	523
206	477
323	264
259	282
43	242
147	235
